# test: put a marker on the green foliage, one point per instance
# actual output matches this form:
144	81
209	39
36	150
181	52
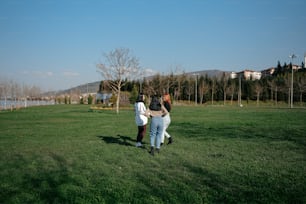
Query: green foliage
134	95
52	154
58	100
90	99
67	100
113	99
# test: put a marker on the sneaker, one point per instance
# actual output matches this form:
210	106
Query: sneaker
157	150
138	144
170	140
152	151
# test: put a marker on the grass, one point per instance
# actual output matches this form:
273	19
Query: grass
67	154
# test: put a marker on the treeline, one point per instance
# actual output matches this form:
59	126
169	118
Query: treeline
203	89
13	90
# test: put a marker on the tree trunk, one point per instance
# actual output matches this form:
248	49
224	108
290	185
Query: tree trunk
201	98
289	92
275	95
257	99
271	94
118	101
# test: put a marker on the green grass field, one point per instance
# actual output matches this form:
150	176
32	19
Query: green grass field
68	154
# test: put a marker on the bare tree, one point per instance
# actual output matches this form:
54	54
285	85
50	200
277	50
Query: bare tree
258	90
189	88
179	86
231	88
213	87
301	85
119	65
177	76
4	91
156	85
272	86
13	94
224	80
203	88
277	84
148	87
287	80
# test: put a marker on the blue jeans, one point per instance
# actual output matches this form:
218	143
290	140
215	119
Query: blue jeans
156	131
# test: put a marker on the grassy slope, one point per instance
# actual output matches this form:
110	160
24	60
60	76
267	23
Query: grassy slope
66	154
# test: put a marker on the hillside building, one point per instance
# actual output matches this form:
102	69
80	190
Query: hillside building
246	74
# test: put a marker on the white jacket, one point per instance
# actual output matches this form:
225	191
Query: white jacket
140	111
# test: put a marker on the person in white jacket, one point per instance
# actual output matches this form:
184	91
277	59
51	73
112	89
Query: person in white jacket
140	119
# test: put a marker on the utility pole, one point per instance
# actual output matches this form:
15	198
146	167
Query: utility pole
291	91
239	97
196	89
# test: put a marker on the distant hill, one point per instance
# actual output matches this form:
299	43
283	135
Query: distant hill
93	87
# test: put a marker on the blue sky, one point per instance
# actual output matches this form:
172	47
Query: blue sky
56	44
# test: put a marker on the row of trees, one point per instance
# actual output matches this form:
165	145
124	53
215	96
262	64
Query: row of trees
204	89
121	72
120	68
14	95
12	90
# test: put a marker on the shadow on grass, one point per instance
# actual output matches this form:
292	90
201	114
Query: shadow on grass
201	185
197	185
42	185
119	139
246	131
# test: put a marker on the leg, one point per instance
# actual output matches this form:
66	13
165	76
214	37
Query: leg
160	131
166	121
153	131
141	132
166	133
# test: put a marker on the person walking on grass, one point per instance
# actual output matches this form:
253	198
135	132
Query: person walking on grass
166	119
140	119
156	111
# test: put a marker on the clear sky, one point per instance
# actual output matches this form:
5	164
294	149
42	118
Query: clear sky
56	44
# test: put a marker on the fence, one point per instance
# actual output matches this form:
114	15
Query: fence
16	104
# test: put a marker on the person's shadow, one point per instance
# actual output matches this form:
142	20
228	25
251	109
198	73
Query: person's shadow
119	139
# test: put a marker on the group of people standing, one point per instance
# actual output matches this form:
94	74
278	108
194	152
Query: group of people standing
159	112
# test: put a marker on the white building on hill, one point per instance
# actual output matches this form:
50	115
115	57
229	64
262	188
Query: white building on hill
246	74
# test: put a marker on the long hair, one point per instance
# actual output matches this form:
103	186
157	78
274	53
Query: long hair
167	98
167	102
155	104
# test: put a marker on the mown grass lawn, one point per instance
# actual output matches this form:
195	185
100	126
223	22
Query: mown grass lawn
67	154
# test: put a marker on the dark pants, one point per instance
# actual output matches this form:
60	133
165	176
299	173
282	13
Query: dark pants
141	132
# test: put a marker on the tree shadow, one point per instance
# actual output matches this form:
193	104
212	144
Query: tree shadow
246	131
119	139
43	184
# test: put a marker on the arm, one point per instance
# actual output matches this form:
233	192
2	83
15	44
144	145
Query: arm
164	110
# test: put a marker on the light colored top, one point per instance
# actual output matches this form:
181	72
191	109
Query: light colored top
140	114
